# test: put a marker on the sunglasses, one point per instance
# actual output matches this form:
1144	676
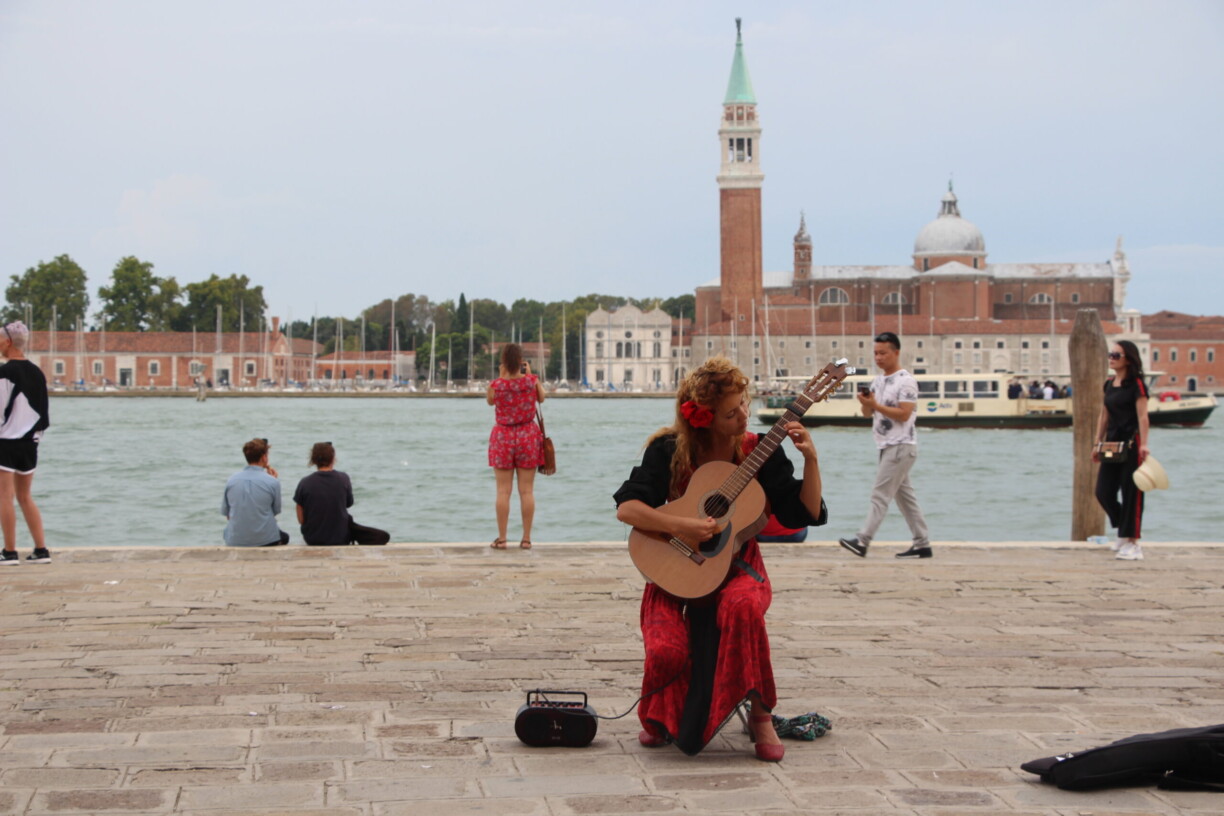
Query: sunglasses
1115	355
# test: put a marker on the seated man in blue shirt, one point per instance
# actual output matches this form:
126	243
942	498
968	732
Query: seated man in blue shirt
252	501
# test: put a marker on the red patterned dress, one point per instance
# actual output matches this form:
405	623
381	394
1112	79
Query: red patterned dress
515	441
708	655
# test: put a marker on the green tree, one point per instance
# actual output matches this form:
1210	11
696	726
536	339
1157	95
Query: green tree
525	316
241	304
305	329
493	316
682	306
138	300
57	286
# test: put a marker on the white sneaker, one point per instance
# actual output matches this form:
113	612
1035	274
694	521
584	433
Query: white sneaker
1130	551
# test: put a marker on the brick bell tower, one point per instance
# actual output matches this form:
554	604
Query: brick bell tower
739	195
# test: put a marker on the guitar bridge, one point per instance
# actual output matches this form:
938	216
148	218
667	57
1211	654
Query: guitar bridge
693	555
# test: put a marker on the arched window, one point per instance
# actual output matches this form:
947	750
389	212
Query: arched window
1041	297
833	295
893	298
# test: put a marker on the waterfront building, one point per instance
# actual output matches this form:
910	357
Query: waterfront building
379	368
162	360
956	311
628	349
1188	350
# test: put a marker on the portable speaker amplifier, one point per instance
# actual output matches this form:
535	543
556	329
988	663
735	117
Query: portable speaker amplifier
542	722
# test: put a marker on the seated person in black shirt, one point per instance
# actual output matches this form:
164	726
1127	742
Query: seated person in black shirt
323	499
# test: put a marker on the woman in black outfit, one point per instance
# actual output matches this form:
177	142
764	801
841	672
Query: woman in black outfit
1125	419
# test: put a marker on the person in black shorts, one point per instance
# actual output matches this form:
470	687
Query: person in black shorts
323	499
23	393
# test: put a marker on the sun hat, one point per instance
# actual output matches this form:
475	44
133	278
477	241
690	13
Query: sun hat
1151	476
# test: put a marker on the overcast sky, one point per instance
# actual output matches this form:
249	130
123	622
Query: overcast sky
342	152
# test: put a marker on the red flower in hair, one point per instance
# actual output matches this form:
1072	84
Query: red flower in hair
698	416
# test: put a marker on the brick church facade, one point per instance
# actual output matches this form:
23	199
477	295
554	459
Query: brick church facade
956	311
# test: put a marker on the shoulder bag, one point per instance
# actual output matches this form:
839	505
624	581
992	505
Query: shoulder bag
549	466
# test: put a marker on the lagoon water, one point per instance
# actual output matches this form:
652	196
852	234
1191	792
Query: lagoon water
150	471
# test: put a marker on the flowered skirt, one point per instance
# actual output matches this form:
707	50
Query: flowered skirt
516	446
707	655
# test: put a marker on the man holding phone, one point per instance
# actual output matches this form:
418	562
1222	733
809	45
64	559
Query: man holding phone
891	400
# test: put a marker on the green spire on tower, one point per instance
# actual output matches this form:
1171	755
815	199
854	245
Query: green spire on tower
739	87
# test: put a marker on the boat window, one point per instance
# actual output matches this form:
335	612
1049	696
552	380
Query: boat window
956	388
983	388
928	387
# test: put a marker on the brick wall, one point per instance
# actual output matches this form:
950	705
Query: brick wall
740	212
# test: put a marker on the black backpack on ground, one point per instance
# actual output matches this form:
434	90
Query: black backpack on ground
1180	759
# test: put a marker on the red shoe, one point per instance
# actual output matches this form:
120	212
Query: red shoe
767	752
649	740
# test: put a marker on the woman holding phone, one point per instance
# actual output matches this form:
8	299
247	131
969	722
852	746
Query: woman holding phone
515	443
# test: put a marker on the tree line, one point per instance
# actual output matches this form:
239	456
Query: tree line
136	299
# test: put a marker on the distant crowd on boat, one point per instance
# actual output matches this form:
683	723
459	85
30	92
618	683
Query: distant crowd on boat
1037	389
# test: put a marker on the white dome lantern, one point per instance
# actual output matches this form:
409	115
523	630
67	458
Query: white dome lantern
949	237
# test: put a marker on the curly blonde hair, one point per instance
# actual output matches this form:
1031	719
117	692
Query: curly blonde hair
705	385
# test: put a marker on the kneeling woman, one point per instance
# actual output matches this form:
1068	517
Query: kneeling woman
706	656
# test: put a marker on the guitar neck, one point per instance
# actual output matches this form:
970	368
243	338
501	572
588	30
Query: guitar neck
765	447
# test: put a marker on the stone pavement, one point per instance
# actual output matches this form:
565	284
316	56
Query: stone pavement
384	681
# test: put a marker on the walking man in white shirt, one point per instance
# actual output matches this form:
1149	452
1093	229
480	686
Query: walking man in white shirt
891	401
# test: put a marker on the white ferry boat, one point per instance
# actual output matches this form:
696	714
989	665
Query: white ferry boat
981	401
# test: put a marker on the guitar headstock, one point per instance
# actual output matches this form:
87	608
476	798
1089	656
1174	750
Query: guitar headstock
827	380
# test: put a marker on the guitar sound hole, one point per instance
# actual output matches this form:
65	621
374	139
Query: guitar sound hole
716	506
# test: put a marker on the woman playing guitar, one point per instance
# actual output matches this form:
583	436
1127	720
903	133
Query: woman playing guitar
704	656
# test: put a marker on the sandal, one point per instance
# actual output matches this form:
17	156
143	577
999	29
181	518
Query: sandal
498	544
525	543
766	752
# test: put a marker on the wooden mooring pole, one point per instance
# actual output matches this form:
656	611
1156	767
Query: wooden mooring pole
1089	367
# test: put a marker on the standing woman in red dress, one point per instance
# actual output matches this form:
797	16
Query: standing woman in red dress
515	444
705	656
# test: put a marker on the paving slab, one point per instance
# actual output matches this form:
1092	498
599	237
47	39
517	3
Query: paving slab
381	681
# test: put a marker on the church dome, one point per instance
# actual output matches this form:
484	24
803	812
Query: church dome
949	234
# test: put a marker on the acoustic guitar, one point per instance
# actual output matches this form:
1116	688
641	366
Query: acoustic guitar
731	496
